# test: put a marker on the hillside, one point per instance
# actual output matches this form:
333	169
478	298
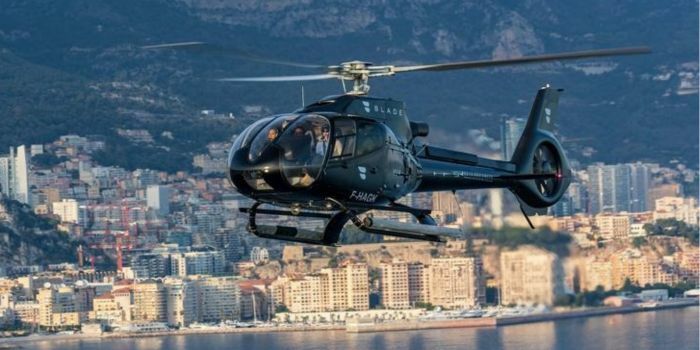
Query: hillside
27	239
76	66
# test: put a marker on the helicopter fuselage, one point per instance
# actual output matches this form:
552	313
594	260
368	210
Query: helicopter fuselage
347	154
348	149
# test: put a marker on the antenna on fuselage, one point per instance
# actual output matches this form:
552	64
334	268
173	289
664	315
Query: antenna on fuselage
303	103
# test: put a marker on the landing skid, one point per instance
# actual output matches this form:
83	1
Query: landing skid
426	230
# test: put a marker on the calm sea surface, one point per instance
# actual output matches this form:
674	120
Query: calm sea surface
669	329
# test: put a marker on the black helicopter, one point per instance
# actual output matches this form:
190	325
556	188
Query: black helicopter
347	154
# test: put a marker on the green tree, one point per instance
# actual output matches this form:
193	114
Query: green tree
425	305
674	228
564	300
630	287
637	242
281	308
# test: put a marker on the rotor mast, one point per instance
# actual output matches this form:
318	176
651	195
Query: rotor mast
359	72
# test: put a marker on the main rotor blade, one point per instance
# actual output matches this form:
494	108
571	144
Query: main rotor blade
201	47
524	60
282	78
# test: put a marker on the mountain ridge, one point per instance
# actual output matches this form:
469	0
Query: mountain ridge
626	109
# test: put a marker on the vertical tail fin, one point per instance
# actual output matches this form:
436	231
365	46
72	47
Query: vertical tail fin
539	152
543	117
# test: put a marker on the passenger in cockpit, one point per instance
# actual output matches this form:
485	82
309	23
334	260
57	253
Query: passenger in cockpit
322	144
300	145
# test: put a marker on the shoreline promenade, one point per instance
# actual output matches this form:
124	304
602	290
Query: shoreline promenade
406	325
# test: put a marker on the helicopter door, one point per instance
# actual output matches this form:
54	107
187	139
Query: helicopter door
356	160
343	139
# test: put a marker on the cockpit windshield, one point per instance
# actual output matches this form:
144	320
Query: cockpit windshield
304	145
297	144
243	138
268	135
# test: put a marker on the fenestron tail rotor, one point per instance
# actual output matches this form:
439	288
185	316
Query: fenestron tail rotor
545	162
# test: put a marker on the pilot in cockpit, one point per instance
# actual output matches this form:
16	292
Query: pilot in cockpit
272	134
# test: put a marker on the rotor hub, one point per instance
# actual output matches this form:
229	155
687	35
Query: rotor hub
359	72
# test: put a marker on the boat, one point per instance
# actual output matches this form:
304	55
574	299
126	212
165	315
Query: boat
648	305
145	327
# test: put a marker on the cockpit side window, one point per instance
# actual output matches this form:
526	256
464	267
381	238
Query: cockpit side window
344	135
370	137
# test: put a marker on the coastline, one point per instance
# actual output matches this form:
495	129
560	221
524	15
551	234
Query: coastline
511	320
13	342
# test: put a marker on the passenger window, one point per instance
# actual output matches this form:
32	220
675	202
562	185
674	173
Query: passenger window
370	137
344	134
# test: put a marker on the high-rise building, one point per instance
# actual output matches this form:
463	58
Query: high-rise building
394	285
200	260
208	222
511	130
456	282
229	241
106	309
146	177
681	209
67	210
573	201
619	187
446	203
640	180
218	299
333	284
358	286
21	173
57	307
150	302
5	176
14	175
639	269
150	265
332	289
181	302
303	294
36	150
660	191
418	283
255	300
530	275
615	227
608	188
158	198
597	273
